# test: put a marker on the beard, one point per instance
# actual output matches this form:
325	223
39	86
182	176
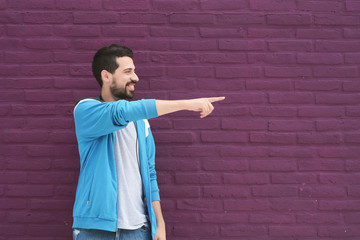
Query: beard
121	92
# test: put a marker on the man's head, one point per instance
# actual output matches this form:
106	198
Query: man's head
114	70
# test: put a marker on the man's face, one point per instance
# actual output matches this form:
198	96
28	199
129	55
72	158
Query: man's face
123	80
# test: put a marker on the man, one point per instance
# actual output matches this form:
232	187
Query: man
117	195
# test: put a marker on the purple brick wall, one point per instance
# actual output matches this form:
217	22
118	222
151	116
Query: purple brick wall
279	159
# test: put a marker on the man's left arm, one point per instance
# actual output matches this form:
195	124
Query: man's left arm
160	223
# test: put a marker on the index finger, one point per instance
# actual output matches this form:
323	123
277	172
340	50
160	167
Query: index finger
216	99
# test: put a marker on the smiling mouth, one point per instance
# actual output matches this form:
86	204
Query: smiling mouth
131	86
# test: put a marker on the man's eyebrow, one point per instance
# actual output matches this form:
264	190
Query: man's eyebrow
126	69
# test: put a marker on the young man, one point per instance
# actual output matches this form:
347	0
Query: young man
117	195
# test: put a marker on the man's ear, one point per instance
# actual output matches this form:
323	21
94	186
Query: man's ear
105	76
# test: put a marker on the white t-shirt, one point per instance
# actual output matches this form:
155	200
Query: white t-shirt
130	204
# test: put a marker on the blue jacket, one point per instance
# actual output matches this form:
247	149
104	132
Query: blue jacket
96	123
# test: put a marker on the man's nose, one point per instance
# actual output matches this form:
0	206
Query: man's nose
134	77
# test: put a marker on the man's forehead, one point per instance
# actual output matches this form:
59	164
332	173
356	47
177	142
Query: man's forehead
125	62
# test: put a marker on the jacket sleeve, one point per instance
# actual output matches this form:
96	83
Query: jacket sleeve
95	119
150	145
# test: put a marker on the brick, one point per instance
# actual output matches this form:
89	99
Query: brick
169	85
310	138
291	178
278	85
230	111
271	111
338	205
12	136
241	18
29	190
322	192
337	46
291	98
235	124
351	33
47	44
12	230
291	152
226	192
243	231
292	231
147	18
78	5
196	124
203	205
77	31
334	99
13	203
246	178
352	138
339	179
338	231
189	18
320	58
319	33
11	96
39	230
243	152
163	31
186	45
33	31
124	31
272	217
11	18
321	112
297	45
174	5
352	5
223	58
227	165
179	218
180	137
270	32
322	85
246	205
125	5
293	205
10	43
321	165
222	32
190	72
72	57
286	72
330	71
274	191
177	164
44	70
351	86
224	218
339	152
39	57
228	84
319	218
224	5
320	6
242	45
271	58
200	178
200	151
31	4
91	18
174	58
29	217
195	230
273	138
49	18
272	5
183	191
80	70
353	111
289	19
335	19
352	217
26	84
352	57
13	177
223	137
352	165
273	165
236	72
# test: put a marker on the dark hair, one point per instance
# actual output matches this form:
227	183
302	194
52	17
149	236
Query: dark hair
105	59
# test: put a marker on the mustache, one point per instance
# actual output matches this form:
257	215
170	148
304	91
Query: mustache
132	82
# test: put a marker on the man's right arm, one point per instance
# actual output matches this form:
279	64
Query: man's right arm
202	105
